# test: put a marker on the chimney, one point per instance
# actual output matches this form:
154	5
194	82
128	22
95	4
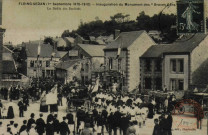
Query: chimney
116	34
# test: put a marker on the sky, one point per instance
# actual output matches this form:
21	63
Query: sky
32	22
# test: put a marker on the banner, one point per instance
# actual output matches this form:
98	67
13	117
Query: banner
51	97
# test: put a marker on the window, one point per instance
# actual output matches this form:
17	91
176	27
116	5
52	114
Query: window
158	65
177	84
173	65
177	65
110	63
181	65
173	84
32	64
148	83
119	64
158	83
180	84
148	65
47	63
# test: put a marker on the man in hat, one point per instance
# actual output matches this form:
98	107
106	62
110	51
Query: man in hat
21	108
50	117
124	123
40	125
56	124
50	128
80	116
64	129
30	121
95	114
23	127
100	123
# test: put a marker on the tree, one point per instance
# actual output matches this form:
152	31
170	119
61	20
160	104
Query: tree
144	21
120	18
97	27
49	40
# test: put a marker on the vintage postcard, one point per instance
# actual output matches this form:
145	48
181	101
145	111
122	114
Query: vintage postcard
103	67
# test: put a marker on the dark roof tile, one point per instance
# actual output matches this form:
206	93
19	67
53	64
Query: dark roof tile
179	46
125	39
66	64
46	50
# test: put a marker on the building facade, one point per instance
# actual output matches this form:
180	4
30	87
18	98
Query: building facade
42	65
90	57
176	66
122	64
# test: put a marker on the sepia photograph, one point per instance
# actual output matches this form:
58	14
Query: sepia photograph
103	67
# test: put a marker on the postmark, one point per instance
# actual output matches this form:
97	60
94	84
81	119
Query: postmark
187	114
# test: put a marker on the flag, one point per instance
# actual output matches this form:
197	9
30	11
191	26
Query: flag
95	89
65	80
118	53
51	97
119	50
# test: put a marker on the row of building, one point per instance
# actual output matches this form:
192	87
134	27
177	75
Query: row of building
132	60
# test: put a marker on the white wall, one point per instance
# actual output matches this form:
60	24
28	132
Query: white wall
167	70
136	50
96	62
198	56
32	73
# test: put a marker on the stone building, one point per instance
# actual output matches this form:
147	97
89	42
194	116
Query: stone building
44	66
89	56
177	66
122	64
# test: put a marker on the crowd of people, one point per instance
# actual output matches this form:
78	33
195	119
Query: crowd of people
105	113
31	126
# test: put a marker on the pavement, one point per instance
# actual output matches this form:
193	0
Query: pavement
182	124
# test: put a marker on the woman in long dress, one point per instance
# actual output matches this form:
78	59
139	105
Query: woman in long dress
151	112
10	113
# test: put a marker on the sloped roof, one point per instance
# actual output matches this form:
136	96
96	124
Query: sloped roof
124	38
62	53
7	54
8	67
46	50
179	46
7	50
70	39
100	42
66	64
93	50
